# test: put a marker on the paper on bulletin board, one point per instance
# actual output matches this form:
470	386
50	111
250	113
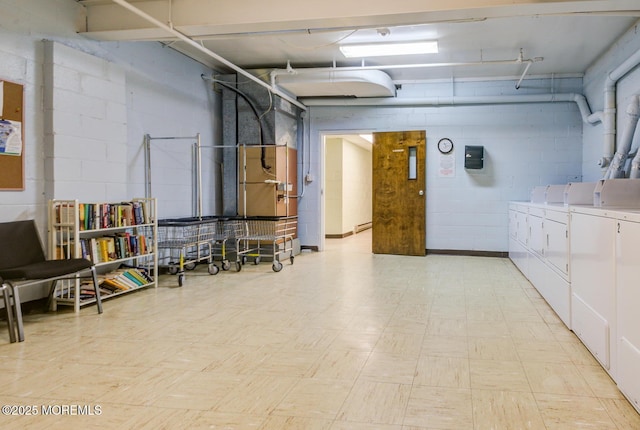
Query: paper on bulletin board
10	137
447	166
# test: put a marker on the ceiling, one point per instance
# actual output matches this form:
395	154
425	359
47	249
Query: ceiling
477	38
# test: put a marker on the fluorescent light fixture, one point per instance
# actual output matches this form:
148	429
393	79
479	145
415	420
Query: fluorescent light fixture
383	49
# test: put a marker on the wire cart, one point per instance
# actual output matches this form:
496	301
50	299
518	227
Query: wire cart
258	232
227	230
184	242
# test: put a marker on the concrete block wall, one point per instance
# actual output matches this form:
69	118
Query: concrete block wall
525	145
85	126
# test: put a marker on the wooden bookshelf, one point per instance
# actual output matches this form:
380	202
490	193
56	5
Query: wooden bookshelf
118	237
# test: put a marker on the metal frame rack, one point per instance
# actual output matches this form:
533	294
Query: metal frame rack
277	231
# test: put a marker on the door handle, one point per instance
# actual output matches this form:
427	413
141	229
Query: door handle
421	193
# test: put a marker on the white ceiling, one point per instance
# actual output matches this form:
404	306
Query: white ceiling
565	36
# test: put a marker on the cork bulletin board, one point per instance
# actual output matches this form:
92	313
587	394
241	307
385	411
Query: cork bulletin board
11	136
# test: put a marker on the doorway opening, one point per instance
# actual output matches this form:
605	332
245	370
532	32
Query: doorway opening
347	200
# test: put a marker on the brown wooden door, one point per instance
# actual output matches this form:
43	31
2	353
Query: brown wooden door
399	193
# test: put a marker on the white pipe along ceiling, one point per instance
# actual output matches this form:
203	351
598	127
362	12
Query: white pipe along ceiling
206	51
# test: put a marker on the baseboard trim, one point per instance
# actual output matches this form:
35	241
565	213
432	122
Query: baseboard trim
338	236
468	253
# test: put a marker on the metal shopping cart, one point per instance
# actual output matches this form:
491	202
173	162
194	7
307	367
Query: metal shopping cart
266	235
184	242
223	240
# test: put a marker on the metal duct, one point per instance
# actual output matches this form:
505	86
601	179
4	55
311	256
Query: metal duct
616	168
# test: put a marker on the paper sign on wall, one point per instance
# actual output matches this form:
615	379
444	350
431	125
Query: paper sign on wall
447	166
10	137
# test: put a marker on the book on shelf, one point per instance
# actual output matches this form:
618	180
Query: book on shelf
125	278
95	216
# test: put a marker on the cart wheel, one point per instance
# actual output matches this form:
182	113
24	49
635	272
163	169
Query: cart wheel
181	280
213	269
277	266
244	259
256	261
173	269
291	259
190	266
226	265
238	266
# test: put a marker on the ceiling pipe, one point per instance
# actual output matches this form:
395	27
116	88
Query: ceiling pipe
616	168
609	113
193	43
290	70
579	99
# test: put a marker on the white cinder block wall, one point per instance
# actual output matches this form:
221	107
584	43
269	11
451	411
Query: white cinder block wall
525	145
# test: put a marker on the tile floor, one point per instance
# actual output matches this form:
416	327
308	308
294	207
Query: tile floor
342	339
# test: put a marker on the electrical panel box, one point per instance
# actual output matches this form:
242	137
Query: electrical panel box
473	157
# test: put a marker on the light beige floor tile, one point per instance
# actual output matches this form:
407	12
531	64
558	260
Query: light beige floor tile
220	420
492	348
288	363
383	367
103	380
445	346
600	382
320	398
145	388
375	403
556	378
313	339
350	425
199	391
400	343
415	310
505	410
446	327
449	372
256	395
339	364
498	375
579	353
484	313
540	350
622	413
562	412
357	340
530	331
488	329
440	408
295	423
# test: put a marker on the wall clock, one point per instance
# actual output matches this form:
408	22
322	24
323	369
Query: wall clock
445	145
